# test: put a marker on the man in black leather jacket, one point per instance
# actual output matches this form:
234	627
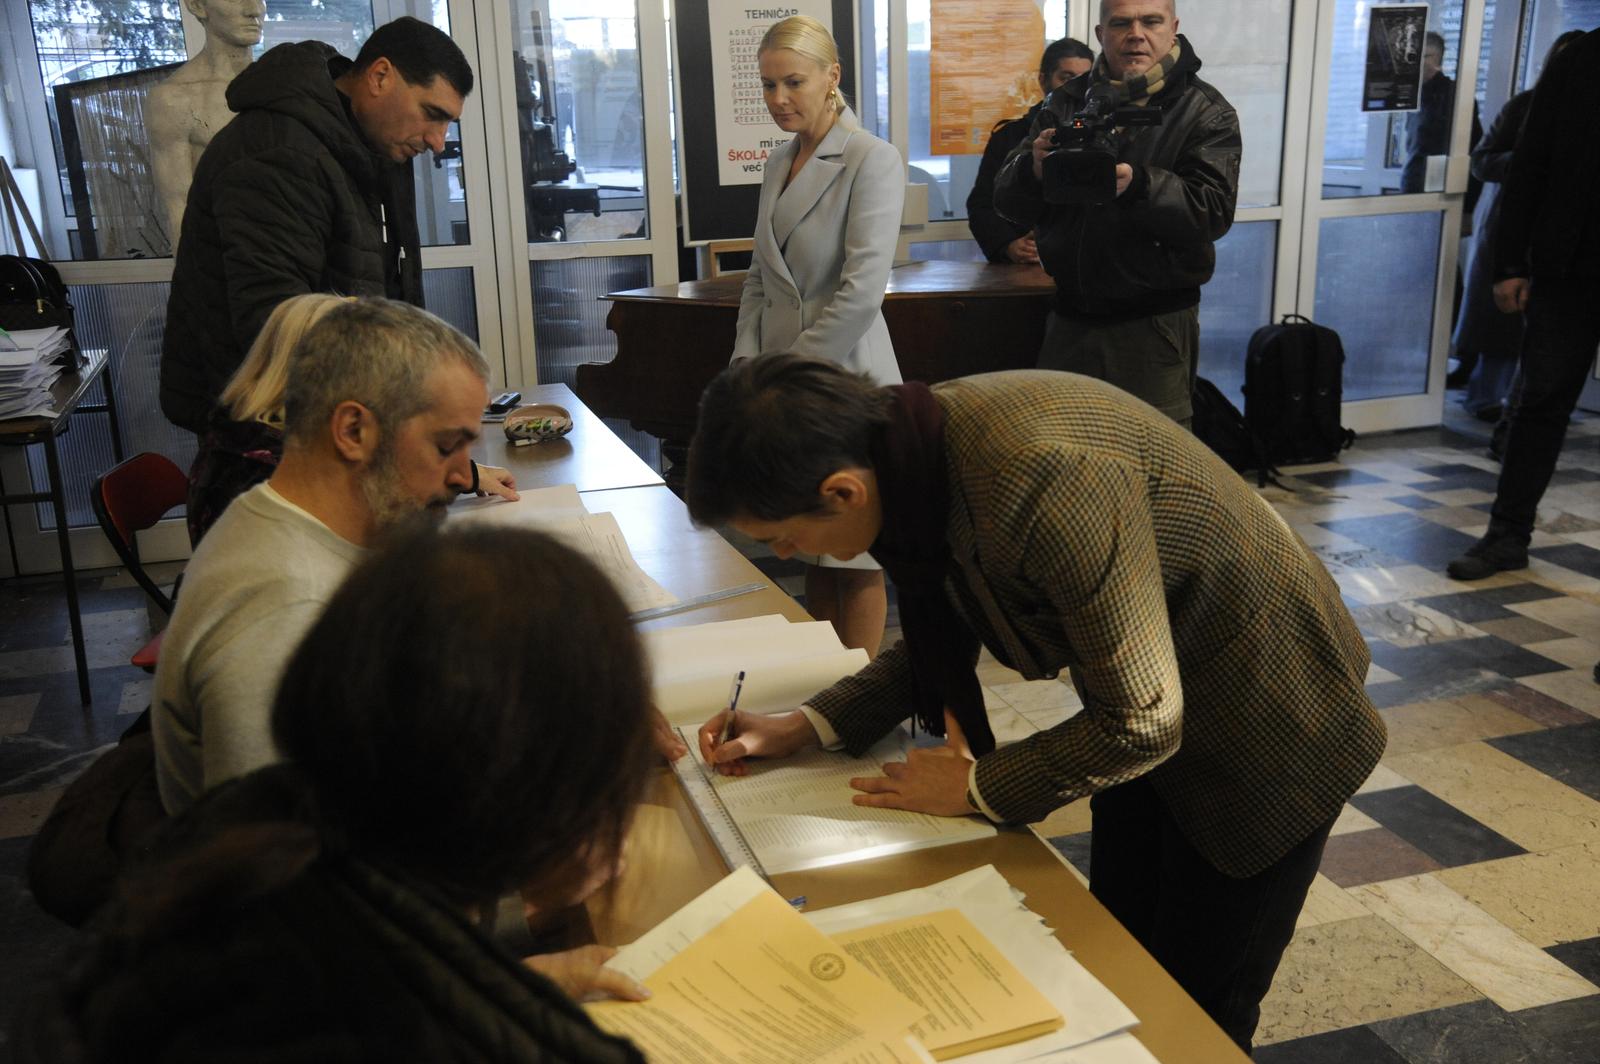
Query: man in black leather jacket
1128	273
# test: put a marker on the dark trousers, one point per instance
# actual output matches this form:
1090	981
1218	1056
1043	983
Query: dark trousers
1221	938
1558	343
1152	358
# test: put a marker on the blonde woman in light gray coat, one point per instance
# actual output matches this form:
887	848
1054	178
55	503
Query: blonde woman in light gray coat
826	231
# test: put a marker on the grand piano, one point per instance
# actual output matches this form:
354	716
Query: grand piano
947	319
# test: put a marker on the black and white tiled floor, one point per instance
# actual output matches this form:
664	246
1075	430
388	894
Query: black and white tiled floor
1456	919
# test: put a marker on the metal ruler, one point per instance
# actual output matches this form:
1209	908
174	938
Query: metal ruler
693	603
725	834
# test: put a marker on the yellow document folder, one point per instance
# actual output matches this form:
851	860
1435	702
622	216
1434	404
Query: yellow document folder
739	975
765	985
974	999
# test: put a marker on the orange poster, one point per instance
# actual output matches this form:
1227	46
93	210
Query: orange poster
983	67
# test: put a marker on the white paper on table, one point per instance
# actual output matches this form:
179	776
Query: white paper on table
797	814
536	507
723	646
769	687
666	940
33	345
1121	1048
994	907
559	511
599	538
692	668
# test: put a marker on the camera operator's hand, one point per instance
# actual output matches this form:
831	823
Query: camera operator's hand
1023	250
1511	294
1124	177
1043	145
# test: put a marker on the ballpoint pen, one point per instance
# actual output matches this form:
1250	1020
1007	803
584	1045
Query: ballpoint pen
733	705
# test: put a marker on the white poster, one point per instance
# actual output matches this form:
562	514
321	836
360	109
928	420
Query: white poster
746	133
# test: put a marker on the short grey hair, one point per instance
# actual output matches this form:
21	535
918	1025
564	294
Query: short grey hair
1172	5
377	352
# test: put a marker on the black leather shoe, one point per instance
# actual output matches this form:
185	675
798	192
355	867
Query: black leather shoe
1491	554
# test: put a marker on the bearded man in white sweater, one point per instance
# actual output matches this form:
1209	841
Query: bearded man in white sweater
383	404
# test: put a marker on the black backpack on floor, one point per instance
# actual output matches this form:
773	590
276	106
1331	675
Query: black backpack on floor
1293	385
1220	426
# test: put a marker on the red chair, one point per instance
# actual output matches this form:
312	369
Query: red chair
127	499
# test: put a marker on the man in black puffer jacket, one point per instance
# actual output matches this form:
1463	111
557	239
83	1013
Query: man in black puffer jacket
308	189
1128	272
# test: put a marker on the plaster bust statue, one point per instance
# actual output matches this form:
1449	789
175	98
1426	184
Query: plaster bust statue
186	110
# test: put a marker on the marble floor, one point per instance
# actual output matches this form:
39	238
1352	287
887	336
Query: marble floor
1456	919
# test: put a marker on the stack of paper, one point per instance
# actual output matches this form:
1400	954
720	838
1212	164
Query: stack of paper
28	369
984	978
1096	1031
560	512
783	665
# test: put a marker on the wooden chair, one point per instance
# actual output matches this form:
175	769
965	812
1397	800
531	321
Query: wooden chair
715	249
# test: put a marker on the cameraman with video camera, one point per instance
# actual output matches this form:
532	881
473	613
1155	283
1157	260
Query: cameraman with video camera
1129	176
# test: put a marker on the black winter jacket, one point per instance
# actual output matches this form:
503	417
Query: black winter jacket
1149	251
993	231
254	941
286	199
1549	225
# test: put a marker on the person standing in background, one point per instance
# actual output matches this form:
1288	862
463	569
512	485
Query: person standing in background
309	189
1482	331
1128	270
1544	258
1428	127
1001	239
826	229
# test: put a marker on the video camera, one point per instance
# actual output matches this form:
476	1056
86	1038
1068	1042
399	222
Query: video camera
1083	167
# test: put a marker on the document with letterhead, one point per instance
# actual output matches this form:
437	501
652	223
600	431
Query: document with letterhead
738	974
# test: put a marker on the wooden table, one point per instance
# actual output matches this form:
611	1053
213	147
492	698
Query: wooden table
671	858
67	399
946	320
590	456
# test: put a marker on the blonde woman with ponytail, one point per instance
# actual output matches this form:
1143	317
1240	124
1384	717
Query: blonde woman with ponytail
825	236
244	436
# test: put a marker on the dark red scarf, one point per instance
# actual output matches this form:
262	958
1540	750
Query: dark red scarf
908	458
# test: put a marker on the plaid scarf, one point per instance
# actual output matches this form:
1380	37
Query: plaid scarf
1137	90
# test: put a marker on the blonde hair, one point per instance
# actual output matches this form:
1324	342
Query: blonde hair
255	391
806	37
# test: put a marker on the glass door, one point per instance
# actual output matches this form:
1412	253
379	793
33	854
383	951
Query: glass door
584	181
1383	191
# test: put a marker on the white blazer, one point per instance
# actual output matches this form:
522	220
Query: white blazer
823	249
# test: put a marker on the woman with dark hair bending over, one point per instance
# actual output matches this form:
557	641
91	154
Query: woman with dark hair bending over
327	908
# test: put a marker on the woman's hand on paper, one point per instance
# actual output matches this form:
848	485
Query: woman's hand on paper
763	735
667	741
492	480
582	975
932	780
